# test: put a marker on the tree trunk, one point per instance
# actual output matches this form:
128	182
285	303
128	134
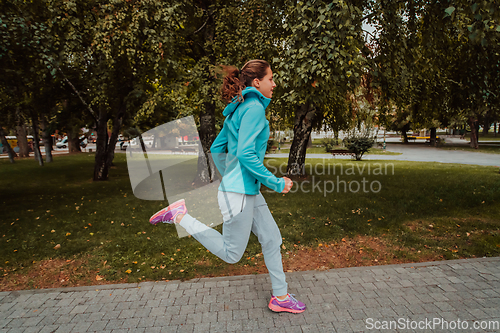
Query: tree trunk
36	140
47	140
117	125
6	145
73	142
206	167
304	117
473	133
433	136
101	167
105	148
495	128
22	140
486	125
405	130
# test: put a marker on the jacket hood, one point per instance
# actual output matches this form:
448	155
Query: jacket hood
247	91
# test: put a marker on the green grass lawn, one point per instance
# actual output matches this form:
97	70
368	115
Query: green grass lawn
422	211
489	137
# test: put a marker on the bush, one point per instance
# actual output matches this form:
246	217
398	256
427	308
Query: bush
359	143
329	144
270	144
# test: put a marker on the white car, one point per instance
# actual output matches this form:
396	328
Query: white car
62	144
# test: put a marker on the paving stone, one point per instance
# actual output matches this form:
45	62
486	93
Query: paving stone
339	300
98	326
65	328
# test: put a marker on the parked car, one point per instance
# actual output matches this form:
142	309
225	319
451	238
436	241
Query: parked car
63	143
83	143
122	144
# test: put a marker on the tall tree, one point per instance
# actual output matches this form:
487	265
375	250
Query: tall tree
322	61
438	61
120	48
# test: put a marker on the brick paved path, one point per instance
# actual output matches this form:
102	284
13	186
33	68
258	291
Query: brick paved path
338	300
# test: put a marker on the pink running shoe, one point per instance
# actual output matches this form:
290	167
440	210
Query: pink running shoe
168	214
290	304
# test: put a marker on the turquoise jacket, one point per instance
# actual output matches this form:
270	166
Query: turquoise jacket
239	149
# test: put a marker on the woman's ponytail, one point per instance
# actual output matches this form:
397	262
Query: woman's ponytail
236	80
232	86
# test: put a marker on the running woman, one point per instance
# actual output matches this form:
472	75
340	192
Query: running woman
238	152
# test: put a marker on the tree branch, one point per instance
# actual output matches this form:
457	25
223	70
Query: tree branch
204	24
92	113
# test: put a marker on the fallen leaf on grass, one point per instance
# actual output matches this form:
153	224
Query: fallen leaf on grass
98	278
58	246
128	271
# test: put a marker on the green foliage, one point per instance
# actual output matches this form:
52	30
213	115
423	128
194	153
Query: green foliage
437	62
359	142
271	144
322	57
329	143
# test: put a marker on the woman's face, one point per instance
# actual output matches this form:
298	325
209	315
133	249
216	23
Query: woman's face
266	85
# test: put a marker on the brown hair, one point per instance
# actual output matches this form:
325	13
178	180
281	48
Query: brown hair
237	80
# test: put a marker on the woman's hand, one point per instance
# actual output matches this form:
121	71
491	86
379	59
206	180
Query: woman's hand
288	185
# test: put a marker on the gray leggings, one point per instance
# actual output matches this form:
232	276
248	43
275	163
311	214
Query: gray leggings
243	214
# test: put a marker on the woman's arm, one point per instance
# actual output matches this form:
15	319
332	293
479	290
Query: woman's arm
253	122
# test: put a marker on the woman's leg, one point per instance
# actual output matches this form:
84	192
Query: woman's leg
269	236
268	233
237	211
